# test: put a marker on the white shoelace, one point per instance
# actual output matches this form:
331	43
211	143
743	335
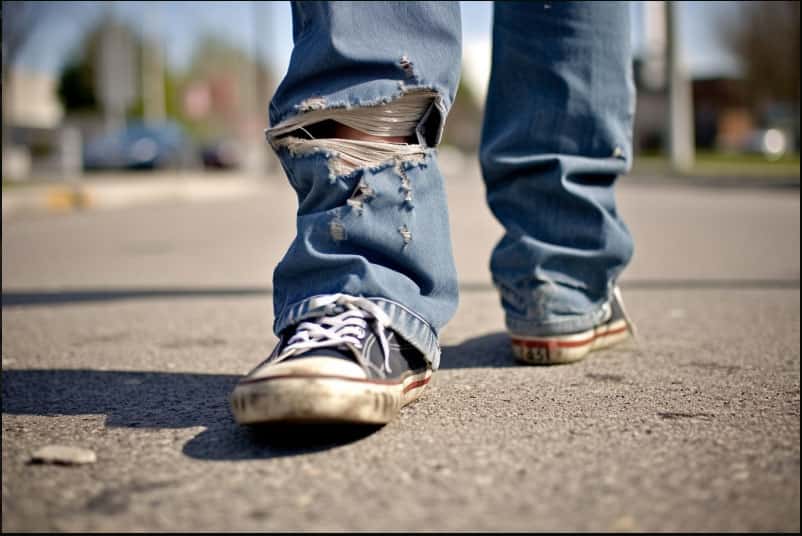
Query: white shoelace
343	329
627	319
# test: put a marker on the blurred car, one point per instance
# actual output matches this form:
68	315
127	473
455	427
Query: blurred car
221	154
771	143
139	146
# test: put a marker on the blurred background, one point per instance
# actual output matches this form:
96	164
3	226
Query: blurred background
93	88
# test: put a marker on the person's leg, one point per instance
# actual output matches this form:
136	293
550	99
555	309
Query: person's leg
355	123
556	134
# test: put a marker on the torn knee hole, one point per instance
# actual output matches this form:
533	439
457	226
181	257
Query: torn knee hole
400	117
399	129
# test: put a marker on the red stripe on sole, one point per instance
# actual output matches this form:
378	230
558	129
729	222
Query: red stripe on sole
320	377
552	343
416	384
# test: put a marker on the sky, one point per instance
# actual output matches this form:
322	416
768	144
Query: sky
266	27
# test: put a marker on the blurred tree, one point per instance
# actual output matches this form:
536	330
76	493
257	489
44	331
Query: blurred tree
77	84
76	88
223	73
765	39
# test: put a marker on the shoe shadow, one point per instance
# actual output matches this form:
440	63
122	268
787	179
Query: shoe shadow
490	350
233	442
166	400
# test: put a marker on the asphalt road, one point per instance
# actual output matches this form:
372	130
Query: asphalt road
124	330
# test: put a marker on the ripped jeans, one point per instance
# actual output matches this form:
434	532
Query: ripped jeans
372	216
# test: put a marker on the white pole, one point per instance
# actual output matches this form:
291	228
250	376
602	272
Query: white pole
153	69
680	98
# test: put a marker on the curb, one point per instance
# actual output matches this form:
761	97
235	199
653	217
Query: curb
100	194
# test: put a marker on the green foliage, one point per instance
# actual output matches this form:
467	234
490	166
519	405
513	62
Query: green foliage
76	88
234	81
765	40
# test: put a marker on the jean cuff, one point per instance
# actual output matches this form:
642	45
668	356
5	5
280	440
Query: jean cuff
411	327
557	324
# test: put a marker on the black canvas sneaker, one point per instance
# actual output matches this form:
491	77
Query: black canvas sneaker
343	366
551	350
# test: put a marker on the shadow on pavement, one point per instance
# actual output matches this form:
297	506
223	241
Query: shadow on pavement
167	400
491	350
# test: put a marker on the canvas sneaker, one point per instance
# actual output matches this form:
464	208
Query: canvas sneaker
345	365
550	350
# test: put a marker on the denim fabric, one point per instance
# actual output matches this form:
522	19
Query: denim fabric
556	135
350	53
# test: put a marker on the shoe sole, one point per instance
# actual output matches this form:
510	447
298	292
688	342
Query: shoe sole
307	398
569	348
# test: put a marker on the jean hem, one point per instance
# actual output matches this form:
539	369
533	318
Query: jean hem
556	326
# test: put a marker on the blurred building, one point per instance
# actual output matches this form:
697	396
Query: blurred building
722	116
725	119
32	115
40	107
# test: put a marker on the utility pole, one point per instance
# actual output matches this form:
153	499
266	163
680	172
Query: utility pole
256	108
654	70
153	93
681	143
115	72
267	22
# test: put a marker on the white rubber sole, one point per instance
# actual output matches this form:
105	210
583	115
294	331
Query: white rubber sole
318	398
569	348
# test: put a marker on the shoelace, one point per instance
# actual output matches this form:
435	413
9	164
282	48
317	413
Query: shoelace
627	319
347	328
